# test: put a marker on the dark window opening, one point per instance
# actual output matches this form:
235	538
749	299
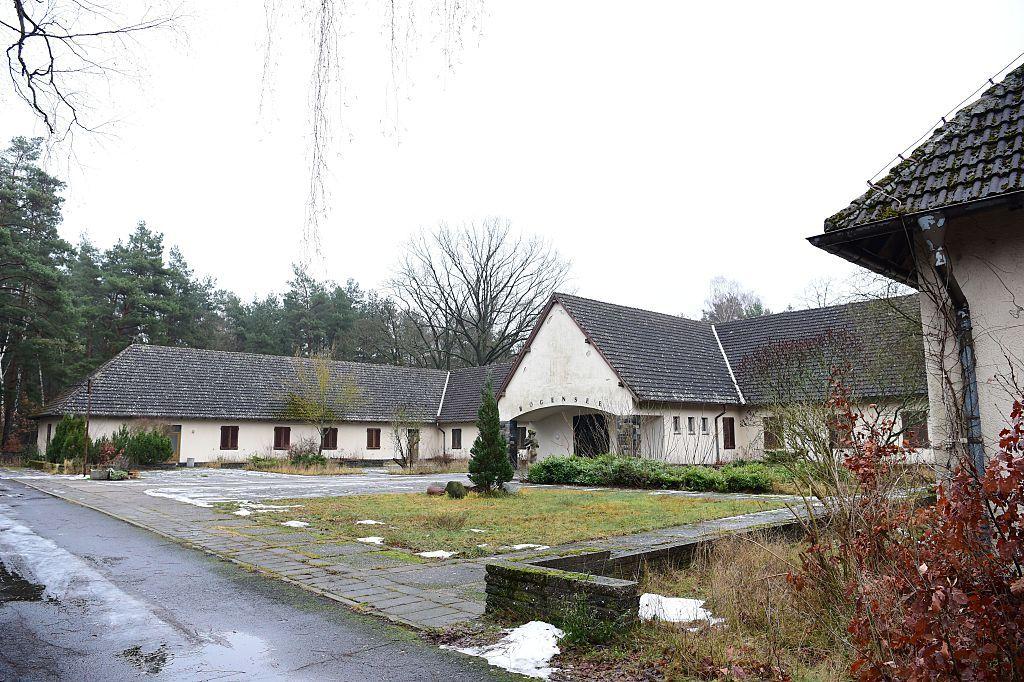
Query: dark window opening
373	439
49	433
456	439
282	437
590	435
521	437
728	433
915	429
229	438
329	441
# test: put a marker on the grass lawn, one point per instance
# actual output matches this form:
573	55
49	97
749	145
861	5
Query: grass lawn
542	517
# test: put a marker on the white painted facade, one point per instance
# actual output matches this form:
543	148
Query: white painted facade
200	439
563	376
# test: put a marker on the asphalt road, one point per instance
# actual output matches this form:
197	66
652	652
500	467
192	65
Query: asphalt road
87	597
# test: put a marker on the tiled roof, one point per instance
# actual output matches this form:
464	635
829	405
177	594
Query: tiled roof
978	154
879	339
462	397
161	381
661	358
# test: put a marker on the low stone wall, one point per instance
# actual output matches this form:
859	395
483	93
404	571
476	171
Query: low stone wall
602	581
536	592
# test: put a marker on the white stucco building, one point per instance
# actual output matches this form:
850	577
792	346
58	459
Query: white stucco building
592	378
596	377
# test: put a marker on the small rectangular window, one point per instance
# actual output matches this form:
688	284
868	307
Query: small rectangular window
282	437
704	425
690	427
520	437
456	439
728	433
373	439
330	439
49	433
676	424
229	438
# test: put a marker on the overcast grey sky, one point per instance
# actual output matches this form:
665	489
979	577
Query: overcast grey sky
657	144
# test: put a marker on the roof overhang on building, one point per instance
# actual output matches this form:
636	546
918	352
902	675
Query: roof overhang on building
886	246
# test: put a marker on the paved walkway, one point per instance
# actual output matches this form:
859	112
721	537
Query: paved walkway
176	504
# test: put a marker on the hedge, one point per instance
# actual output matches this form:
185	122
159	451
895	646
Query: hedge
630	472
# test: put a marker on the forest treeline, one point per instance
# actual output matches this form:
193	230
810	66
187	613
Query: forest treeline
67	308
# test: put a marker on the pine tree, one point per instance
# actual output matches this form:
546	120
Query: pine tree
489	465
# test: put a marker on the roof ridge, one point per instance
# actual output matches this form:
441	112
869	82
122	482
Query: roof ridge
558	295
239	353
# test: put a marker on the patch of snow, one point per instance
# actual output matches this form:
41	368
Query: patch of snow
369	522
437	554
242	512
176	494
371	540
476	530
295	524
675	610
526	545
482	545
527	649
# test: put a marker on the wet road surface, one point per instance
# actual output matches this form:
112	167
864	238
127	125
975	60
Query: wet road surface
86	597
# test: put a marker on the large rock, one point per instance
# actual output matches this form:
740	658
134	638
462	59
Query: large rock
435	489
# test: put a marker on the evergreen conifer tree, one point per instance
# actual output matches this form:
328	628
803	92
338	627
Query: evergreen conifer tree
489	465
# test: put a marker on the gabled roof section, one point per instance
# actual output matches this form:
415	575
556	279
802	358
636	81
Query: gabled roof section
659	357
465	386
188	383
789	354
978	154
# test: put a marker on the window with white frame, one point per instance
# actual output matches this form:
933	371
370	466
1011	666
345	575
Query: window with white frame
676	424
704	425
691	425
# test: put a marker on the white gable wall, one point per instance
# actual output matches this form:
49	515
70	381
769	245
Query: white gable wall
561	368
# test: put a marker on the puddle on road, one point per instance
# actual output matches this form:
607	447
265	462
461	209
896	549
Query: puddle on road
15	588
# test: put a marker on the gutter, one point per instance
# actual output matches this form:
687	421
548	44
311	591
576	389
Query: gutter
933	228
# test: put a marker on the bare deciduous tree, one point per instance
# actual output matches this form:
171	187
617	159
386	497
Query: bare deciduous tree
475	291
728	301
318	395
59	51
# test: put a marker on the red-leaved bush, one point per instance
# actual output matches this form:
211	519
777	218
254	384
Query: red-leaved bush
932	591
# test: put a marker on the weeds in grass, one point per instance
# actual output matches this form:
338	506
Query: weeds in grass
427	466
582	625
283	466
771	630
450	521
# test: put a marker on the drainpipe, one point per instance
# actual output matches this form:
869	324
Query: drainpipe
718	454
933	229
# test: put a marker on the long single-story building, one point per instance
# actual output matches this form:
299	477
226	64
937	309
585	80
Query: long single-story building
592	377
228	406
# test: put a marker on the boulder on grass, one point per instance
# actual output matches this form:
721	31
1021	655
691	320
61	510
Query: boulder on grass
435	489
455	490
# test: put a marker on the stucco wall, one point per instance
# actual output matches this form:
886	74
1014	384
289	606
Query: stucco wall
201	439
561	368
985	253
